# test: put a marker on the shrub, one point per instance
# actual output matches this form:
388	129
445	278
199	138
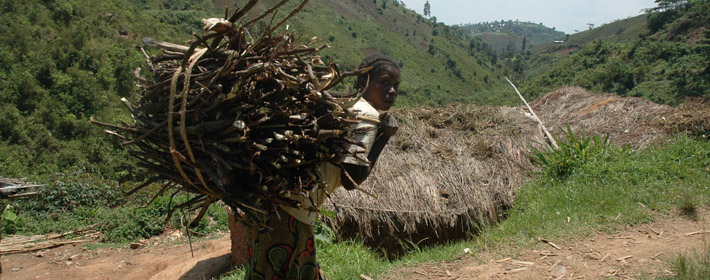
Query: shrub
66	192
573	152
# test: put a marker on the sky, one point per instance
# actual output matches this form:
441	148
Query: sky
565	15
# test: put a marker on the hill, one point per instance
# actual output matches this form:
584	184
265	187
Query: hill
544	57
620	31
440	63
509	36
63	61
666	63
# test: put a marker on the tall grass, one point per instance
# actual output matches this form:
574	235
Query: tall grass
690	266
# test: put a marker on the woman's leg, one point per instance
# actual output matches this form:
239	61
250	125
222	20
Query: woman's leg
287	251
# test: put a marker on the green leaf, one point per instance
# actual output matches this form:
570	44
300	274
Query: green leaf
323	238
327	213
9	215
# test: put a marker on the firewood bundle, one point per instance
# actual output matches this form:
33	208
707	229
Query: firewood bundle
239	118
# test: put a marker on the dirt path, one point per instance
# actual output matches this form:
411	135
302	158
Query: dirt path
626	254
154	261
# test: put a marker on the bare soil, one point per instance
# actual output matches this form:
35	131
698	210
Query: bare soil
165	257
628	254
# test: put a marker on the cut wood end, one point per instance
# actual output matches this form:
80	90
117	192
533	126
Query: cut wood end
518	269
365	277
523	263
604	258
548	242
697	232
624	258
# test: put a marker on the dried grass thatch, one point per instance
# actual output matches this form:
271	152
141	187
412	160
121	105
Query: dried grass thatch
446	172
627	120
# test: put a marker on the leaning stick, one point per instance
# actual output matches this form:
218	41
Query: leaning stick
544	129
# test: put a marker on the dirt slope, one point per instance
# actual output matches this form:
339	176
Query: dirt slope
163	261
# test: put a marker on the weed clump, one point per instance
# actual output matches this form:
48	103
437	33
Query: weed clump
574	151
694	267
689	207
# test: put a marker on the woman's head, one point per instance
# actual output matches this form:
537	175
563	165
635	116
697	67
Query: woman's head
382	81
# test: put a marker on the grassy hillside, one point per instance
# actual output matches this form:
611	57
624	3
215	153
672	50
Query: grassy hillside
509	36
440	64
625	30
667	63
61	62
545	56
620	31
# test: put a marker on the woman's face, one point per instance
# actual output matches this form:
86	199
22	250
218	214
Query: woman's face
383	88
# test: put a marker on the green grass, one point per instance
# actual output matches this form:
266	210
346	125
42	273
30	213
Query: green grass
690	266
610	188
633	186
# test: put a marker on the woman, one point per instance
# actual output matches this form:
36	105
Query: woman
287	250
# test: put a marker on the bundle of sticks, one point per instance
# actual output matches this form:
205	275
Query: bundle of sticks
242	119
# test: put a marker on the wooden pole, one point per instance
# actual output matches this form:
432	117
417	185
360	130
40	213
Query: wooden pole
550	139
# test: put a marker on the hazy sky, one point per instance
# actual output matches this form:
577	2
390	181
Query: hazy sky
567	16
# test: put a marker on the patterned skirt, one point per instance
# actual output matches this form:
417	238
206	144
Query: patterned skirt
286	251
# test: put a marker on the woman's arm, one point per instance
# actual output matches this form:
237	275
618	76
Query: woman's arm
388	127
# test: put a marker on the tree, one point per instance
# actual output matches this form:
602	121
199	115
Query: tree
427	9
664	5
525	42
509	50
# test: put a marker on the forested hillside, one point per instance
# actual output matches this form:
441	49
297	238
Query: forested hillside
666	63
64	61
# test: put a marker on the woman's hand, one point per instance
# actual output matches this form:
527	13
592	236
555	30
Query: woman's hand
388	125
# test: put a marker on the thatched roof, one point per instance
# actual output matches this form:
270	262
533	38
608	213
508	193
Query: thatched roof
450	170
446	172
